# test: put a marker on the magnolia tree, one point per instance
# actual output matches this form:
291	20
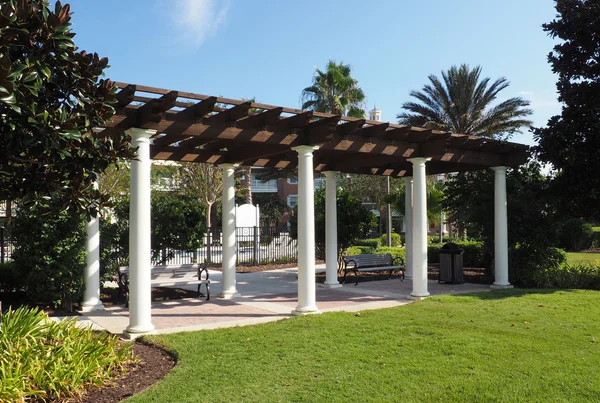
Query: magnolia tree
52	96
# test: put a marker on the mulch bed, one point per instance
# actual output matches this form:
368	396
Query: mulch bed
153	364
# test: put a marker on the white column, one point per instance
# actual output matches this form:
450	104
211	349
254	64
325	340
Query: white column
306	232
331	241
500	230
408	232
419	232
228	289
140	316
91	273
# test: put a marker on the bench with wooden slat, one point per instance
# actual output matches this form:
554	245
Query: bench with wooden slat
373	262
123	282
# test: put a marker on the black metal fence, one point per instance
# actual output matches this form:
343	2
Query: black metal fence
253	245
6	245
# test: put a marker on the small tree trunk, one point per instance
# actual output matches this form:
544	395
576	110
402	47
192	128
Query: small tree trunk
208	231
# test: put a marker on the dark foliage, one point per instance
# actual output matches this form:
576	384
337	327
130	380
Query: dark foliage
354	221
178	222
532	218
51	97
571	140
50	252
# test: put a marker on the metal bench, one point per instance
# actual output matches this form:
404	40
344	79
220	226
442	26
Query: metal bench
123	283
376	262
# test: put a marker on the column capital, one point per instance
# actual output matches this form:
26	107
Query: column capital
407	178
304	149
228	166
137	133
499	169
419	160
329	173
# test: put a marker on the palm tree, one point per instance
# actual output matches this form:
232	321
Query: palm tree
461	103
334	91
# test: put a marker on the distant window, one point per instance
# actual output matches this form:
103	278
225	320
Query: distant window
292	200
319	182
293	181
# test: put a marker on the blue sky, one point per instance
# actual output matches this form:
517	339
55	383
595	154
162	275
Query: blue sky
268	49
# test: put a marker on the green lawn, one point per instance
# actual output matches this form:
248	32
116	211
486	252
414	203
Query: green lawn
576	257
496	346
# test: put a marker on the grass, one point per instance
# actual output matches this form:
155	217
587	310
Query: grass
577	257
497	346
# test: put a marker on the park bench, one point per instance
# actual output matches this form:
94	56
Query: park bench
123	281
375	262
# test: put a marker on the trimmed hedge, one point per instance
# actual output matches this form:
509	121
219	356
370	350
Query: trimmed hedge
374	243
359	250
473	255
396	240
364	250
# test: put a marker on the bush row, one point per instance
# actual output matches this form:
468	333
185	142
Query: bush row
580	275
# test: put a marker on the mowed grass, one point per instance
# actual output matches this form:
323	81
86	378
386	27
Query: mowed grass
577	257
531	346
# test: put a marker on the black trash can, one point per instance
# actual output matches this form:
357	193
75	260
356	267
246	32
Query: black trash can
451	264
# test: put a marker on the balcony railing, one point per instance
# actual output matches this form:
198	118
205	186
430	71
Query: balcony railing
264	187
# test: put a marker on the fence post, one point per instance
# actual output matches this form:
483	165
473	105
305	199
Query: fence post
256	246
1	244
208	244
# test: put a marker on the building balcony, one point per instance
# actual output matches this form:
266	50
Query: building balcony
264	187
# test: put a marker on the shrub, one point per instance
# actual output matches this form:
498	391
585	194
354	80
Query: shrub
580	275
50	252
395	251
374	243
44	360
575	234
396	240
358	250
473	253
528	261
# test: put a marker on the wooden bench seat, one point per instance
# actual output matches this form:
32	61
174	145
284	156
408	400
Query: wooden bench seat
372	262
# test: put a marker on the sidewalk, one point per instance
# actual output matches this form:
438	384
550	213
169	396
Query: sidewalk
266	296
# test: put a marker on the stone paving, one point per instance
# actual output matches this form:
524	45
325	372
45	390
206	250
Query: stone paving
266	296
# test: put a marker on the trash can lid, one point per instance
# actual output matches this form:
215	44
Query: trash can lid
451	248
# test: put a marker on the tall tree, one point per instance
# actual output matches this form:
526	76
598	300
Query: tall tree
51	97
571	140
334	91
462	103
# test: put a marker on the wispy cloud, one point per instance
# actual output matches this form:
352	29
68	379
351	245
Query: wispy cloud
544	101
194	21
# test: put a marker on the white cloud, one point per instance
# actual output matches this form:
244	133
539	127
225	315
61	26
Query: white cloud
196	20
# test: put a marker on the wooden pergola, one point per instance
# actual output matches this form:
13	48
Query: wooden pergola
200	128
183	126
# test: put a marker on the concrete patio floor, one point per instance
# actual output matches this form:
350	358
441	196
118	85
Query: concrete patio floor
266	296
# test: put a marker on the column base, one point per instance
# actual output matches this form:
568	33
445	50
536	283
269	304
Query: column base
91	308
501	286
229	295
418	296
305	311
133	332
330	285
